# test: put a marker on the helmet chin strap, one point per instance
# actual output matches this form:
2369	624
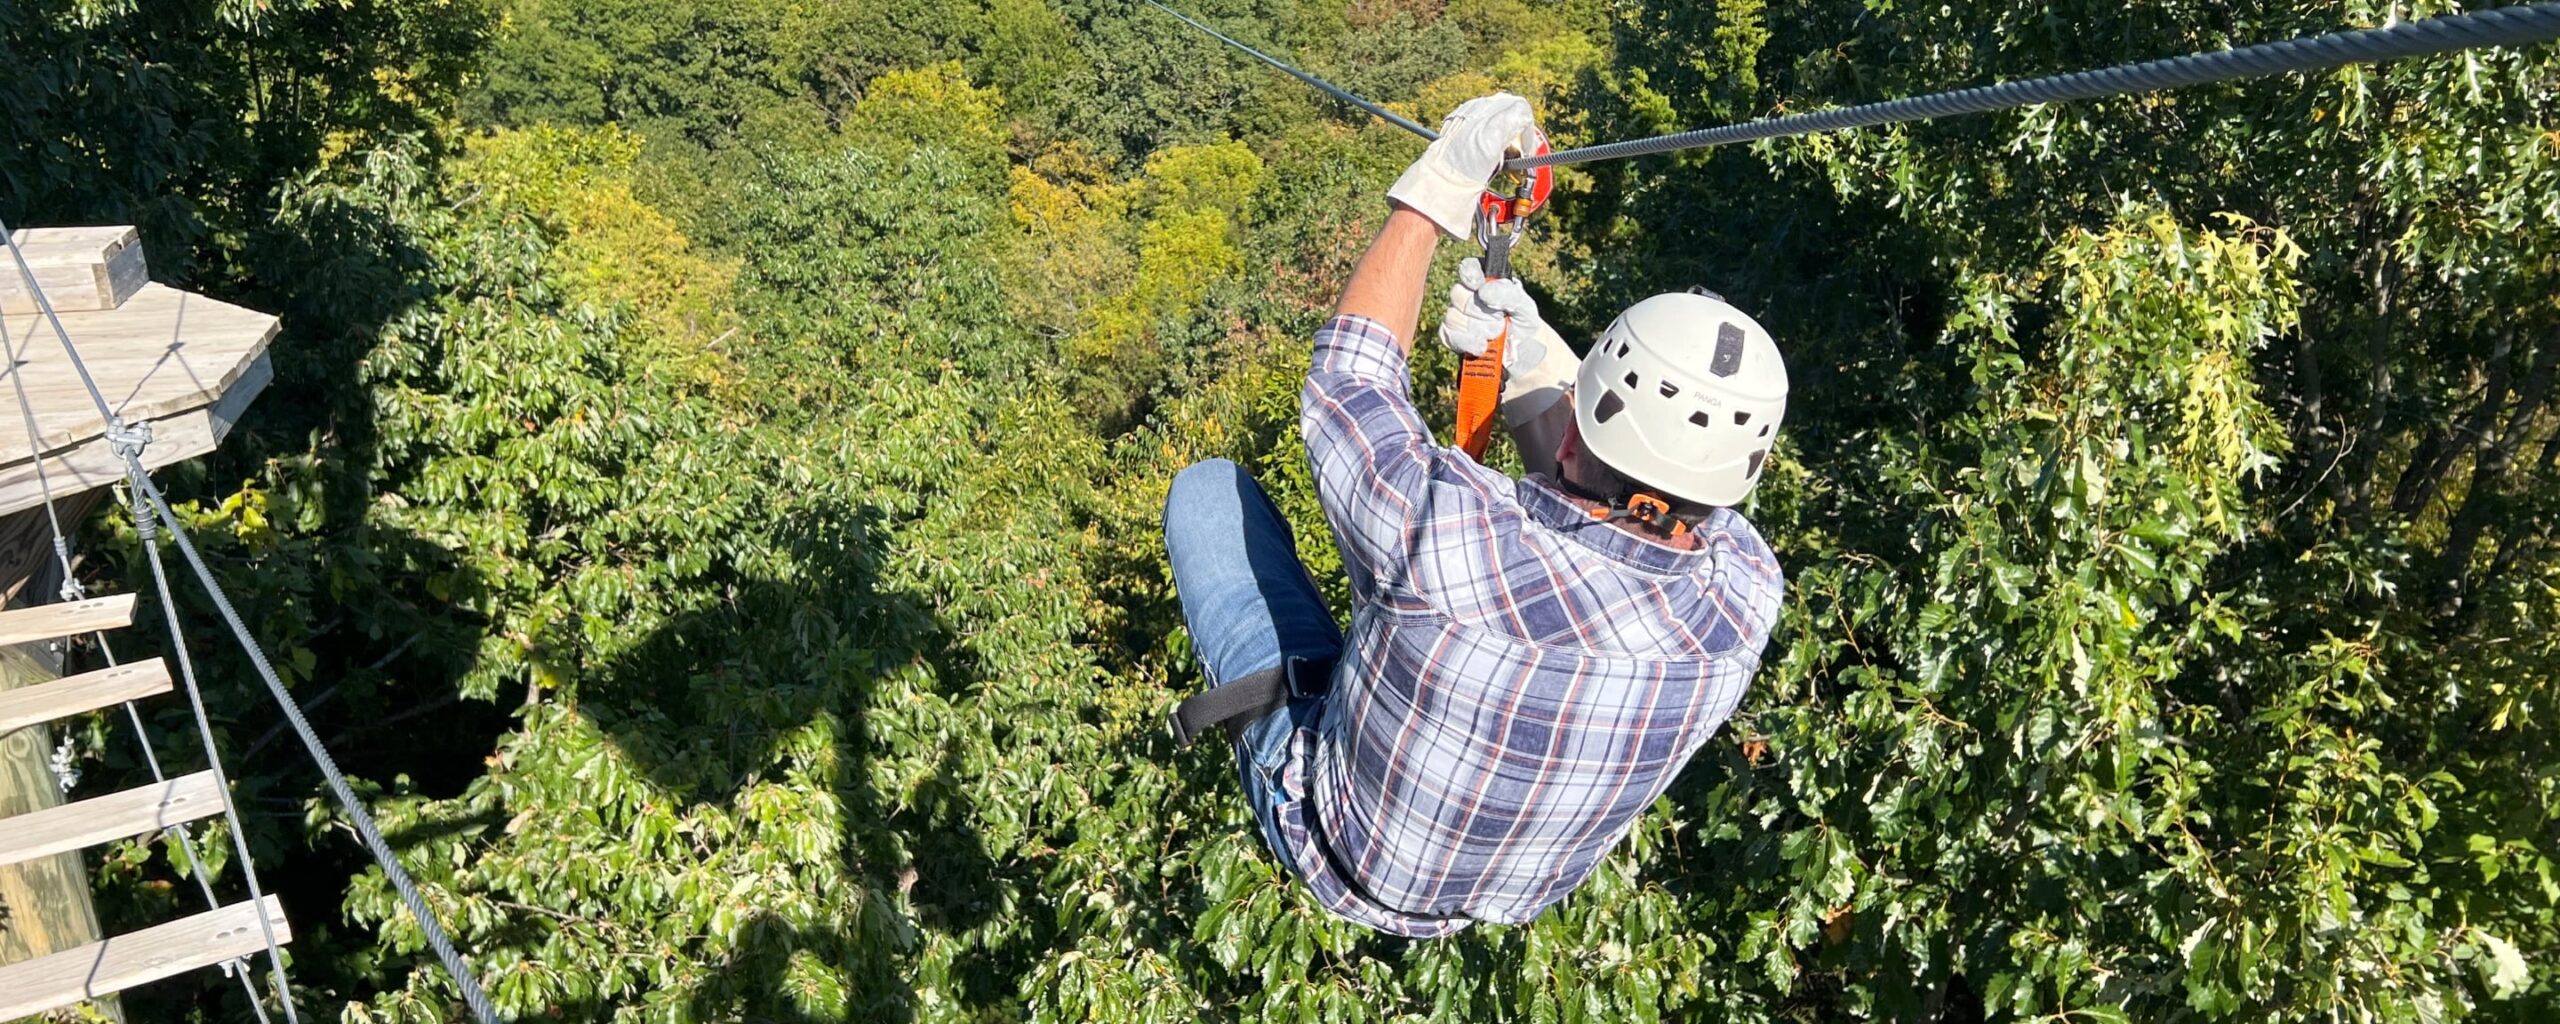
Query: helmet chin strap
1651	511
1639	506
1633	502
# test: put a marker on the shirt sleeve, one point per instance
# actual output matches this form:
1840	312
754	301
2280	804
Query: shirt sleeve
1369	448
1749	583
1537	403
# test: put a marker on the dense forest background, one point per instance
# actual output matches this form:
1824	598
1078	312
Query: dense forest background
709	497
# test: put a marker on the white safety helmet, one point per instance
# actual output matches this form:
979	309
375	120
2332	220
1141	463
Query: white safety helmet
1683	395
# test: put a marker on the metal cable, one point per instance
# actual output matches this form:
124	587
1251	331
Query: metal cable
204	728
356	814
180	836
35	441
2504	26
1338	92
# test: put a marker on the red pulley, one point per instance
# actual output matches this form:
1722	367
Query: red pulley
1528	190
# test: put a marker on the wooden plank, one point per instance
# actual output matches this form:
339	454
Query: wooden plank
80	269
88	691
163	352
105	819
93	464
162	951
46	247
66	618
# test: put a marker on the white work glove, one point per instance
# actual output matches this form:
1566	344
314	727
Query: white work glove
1538	368
1480	310
1446	184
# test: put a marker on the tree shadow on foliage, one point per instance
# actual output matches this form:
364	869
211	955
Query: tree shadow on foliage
703	707
360	619
392	642
706	707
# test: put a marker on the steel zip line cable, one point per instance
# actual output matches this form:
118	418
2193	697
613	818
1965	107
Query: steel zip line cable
2503	26
1338	92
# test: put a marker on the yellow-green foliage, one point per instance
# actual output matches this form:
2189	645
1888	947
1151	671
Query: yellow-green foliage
1221	177
932	106
1193	203
1070	253
615	250
2231	294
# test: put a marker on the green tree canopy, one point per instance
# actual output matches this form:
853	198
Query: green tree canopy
710	496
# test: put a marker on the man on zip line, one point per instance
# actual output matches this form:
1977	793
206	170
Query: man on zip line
1530	662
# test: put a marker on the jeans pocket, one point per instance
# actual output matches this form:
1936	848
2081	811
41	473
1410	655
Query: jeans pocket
1262	758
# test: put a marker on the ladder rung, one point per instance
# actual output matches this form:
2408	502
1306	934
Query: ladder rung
108	818
68	618
57	980
88	691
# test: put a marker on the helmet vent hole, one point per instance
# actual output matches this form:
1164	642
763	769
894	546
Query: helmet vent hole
1670	390
1741	418
1622	350
1756	458
1700	419
1764	430
1610	406
1631	380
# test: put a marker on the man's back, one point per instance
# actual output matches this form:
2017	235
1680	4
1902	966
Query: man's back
1525	671
1519	682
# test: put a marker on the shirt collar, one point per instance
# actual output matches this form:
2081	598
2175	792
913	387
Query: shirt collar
1546	504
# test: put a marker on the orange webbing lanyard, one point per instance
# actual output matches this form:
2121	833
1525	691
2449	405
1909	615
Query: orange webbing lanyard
1480	397
1480	376
1648	509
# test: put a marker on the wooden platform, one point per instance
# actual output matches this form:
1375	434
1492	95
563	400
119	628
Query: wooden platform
183	367
185	364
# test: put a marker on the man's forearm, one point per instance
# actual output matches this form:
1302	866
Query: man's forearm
1387	285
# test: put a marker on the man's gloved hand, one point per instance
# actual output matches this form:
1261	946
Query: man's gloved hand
1480	310
1449	179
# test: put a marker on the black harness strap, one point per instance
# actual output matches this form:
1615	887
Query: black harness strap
1232	706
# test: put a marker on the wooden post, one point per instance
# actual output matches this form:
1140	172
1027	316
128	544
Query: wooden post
44	903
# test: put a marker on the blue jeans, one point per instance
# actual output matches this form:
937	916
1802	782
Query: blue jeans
1251	606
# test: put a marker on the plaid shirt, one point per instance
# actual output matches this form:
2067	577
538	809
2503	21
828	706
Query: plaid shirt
1520	682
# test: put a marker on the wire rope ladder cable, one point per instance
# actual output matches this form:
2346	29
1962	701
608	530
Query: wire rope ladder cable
2519	25
147	496
204	727
72	590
